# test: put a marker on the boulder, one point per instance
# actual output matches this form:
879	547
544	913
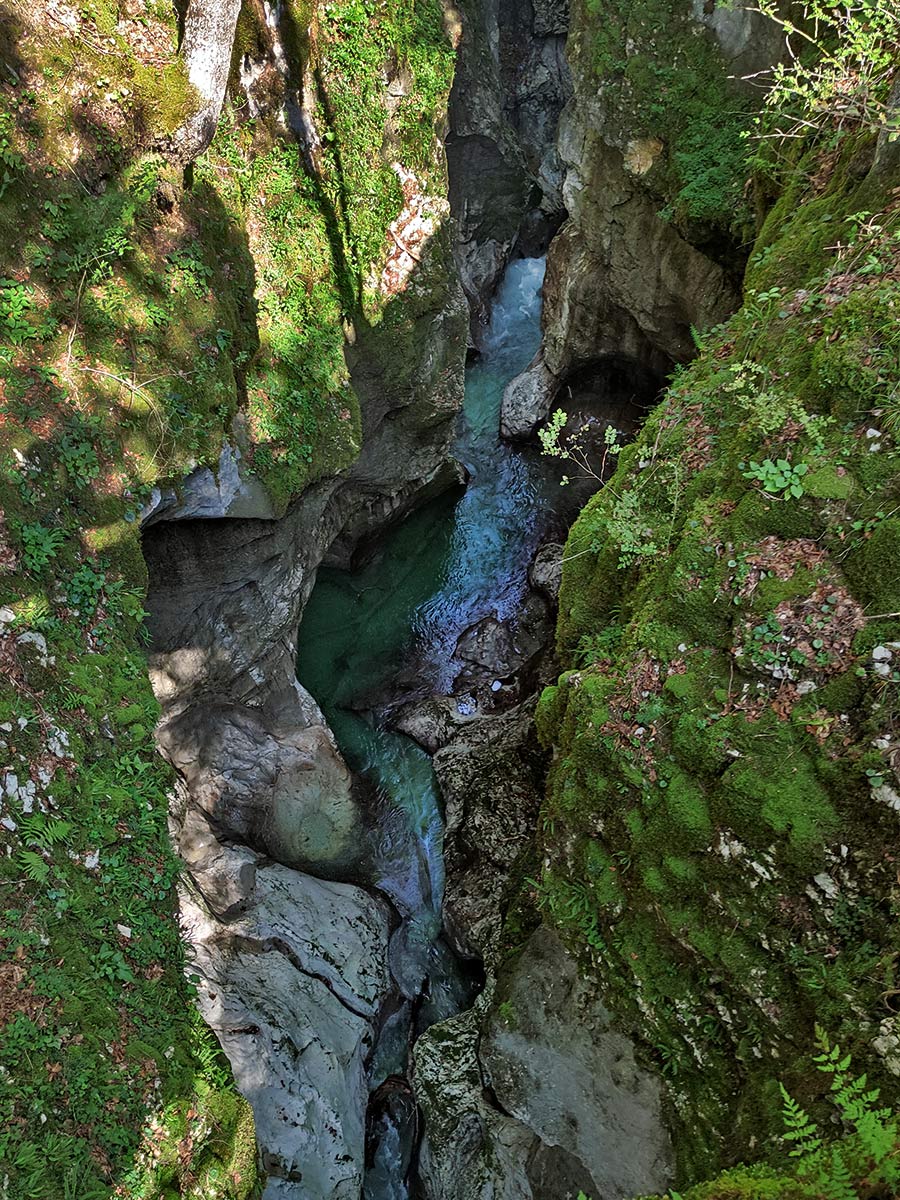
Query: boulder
556	1064
292	975
527	401
545	573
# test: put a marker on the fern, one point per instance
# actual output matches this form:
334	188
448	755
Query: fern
43	831
869	1152
33	866
837	1184
799	1129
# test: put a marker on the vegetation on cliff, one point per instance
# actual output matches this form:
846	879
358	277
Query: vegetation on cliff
145	319
719	835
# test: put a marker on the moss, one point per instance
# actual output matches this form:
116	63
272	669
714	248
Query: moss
743	787
874	568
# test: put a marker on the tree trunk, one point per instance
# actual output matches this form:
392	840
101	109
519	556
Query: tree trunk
209	29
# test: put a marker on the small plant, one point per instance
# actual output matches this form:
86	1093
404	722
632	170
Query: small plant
41	545
779	477
867	1158
573	448
79	459
838	71
16	305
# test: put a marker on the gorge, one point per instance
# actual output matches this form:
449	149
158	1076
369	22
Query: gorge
514	812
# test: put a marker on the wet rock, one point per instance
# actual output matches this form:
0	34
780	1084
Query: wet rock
557	1065
545	573
527	401
498	659
292	974
490	644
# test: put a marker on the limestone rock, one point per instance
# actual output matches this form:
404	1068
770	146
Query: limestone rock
471	1151
557	1065
527	401
491	777
566	1109
292	974
545	573
203	494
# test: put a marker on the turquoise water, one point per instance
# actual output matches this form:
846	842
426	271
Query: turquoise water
457	560
449	564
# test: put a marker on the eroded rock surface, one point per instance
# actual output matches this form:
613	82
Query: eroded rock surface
292	973
540	1099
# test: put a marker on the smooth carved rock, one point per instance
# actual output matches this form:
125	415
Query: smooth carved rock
292	976
558	1066
527	401
285	790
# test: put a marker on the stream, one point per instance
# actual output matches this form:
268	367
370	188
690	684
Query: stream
455	561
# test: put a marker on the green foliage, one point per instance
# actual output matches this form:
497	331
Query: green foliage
838	72
40	545
779	477
869	1154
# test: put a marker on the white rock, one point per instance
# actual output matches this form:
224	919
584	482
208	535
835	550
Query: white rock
882	654
828	886
885	794
804	688
124	930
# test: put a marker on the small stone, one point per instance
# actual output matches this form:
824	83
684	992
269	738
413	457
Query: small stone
496	685
827	885
7	616
92	860
124	930
804	688
873	433
882	654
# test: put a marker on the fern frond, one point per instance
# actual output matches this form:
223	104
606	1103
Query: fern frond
33	866
838	1184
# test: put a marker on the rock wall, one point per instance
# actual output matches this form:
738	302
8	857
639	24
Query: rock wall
651	248
511	84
